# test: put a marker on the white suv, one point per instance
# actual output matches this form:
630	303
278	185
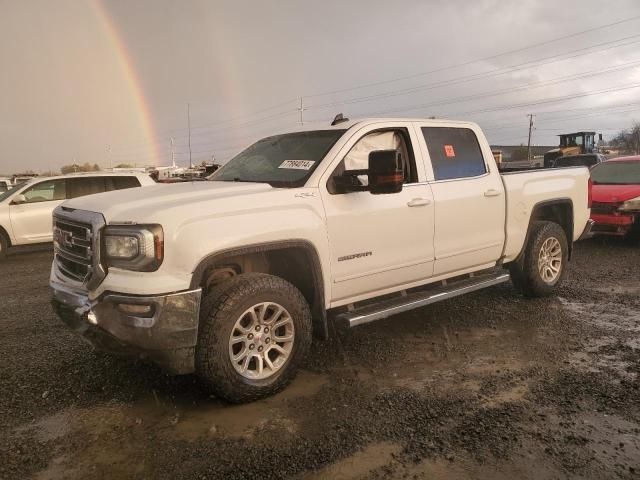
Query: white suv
25	210
5	185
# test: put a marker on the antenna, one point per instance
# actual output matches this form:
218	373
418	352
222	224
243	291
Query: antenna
301	112
173	153
339	118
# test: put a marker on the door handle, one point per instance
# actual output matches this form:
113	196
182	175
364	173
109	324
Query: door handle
418	202
492	193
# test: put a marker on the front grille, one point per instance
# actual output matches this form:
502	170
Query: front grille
77	246
73	249
603	208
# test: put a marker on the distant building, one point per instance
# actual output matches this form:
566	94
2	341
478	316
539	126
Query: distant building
507	150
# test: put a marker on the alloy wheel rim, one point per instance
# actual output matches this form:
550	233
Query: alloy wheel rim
261	340
550	260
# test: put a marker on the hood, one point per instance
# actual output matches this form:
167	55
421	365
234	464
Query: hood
151	203
614	193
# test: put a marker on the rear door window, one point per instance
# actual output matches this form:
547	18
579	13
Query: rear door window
455	152
121	183
80	187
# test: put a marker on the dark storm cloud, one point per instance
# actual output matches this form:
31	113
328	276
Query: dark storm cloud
65	98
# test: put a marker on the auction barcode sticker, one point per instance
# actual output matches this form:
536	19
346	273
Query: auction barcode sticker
297	164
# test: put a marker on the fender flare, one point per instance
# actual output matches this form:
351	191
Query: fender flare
318	310
540	205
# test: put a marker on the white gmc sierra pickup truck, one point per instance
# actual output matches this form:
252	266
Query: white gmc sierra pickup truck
357	221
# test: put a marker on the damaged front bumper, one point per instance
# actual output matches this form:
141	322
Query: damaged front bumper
618	224
163	328
588	230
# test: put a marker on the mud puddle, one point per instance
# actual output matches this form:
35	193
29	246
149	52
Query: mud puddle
121	430
360	465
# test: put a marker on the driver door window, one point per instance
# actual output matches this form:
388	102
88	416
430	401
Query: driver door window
358	156
46	192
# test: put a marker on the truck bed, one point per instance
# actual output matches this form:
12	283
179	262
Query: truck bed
527	189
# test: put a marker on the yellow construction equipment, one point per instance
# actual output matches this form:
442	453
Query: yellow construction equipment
571	144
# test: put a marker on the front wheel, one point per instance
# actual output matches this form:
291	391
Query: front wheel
4	246
255	330
543	264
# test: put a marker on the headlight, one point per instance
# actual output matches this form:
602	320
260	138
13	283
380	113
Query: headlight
133	247
629	205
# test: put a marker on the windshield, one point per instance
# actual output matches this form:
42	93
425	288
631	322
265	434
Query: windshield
617	173
282	160
10	192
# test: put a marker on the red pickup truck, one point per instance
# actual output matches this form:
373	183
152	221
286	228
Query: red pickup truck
616	197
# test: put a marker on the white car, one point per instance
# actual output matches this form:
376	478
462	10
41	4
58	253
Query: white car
5	185
357	221
25	209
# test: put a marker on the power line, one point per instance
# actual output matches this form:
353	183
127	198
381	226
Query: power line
241	117
553	100
249	123
483	75
591	112
562	119
470	62
515	106
532	85
468	78
171	132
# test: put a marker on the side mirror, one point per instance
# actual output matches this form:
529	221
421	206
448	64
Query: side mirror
348	182
386	172
19	199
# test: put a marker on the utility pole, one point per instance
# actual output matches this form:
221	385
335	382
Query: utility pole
529	142
301	112
189	126
173	153
109	159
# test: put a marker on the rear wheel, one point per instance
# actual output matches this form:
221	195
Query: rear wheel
543	264
255	330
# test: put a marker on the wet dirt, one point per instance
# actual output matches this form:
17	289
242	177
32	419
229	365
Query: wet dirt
486	386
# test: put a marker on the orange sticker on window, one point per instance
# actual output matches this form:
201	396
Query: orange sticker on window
449	151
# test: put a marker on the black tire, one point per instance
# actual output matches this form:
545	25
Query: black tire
220	310
525	274
4	246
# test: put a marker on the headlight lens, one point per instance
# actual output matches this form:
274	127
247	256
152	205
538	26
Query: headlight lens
120	246
633	204
133	247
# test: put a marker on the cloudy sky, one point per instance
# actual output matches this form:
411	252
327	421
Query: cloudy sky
108	81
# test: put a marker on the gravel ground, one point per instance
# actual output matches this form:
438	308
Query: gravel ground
488	386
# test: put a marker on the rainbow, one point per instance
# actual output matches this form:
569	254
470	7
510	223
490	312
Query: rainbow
129	72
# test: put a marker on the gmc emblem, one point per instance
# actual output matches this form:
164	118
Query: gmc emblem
63	238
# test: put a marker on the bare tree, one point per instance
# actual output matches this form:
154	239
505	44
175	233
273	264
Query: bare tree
635	138
628	140
87	167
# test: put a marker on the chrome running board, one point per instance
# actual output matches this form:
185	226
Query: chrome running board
409	301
